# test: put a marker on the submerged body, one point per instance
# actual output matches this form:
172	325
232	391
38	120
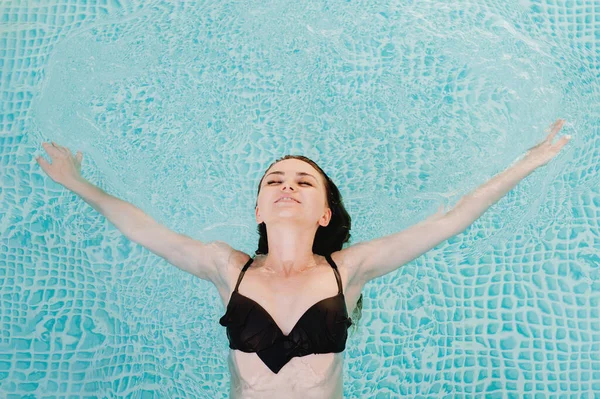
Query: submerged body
295	206
289	302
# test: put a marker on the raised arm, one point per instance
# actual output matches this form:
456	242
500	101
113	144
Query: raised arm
204	260
383	255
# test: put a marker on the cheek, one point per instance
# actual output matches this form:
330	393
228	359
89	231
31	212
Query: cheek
265	199
317	202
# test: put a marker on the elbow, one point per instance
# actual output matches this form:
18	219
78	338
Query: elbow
455	224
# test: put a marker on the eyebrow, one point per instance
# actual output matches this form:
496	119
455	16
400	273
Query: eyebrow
278	172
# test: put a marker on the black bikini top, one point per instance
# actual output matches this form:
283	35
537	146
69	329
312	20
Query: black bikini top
321	329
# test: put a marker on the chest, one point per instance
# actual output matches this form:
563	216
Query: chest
280	319
287	300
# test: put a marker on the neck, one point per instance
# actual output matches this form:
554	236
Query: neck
290	248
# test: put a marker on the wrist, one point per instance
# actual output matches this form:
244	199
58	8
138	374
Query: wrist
530	162
526	161
75	183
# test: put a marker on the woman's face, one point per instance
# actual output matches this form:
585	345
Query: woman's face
300	181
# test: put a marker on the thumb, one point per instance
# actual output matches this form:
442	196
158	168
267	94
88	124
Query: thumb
79	156
42	162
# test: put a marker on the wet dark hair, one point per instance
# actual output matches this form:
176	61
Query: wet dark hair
328	239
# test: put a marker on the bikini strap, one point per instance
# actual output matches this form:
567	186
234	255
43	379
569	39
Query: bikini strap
246	266
335	271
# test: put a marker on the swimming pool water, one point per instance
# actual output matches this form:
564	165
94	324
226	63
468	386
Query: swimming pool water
179	107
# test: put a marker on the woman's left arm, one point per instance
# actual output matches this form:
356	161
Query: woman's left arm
383	255
473	205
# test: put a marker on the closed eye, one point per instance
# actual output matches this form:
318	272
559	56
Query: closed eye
279	181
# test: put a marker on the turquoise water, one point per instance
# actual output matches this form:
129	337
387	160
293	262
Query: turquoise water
179	108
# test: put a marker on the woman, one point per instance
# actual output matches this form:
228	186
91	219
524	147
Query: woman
287	308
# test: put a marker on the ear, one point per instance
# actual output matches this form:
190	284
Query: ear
326	218
257	216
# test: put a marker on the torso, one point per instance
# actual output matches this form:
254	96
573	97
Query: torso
286	300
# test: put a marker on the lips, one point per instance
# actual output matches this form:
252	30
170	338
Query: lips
287	196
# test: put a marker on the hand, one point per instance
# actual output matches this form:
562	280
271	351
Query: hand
542	153
65	168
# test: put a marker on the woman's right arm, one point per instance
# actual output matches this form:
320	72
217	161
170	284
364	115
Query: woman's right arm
207	261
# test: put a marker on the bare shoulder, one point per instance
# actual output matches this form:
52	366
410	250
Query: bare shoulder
230	266
348	262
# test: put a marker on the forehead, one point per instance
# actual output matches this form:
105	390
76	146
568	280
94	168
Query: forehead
292	165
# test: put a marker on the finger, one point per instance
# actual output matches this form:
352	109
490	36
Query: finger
556	126
51	150
42	162
79	156
549	128
62	149
563	141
